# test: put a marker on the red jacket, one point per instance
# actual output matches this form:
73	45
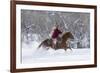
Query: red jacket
56	33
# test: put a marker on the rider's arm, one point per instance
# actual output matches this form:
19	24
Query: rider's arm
51	33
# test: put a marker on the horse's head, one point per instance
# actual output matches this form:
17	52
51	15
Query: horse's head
68	35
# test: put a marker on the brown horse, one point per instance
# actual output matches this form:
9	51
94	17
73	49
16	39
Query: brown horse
61	42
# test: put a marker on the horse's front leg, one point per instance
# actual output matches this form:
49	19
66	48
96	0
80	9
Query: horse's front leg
70	48
64	46
67	47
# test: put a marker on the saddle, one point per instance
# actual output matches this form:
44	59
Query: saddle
59	39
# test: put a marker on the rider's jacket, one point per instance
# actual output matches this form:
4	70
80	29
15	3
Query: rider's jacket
56	33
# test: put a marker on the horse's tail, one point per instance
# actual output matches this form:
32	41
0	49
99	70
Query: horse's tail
42	43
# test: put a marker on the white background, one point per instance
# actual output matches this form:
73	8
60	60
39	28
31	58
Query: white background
5	36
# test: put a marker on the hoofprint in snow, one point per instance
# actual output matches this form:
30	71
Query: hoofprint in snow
31	54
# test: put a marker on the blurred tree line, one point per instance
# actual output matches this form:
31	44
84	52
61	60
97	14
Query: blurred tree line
36	26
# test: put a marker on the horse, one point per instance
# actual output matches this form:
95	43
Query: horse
62	44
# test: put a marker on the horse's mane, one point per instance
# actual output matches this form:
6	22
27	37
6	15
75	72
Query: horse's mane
66	34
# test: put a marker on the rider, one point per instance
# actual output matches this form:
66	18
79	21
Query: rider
55	34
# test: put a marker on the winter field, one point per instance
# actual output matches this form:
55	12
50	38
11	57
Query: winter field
36	26
31	54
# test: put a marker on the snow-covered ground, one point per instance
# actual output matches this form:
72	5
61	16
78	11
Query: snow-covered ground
30	54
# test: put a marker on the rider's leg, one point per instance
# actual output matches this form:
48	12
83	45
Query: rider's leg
54	43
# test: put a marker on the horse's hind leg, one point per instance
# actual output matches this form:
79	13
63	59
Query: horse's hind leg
47	48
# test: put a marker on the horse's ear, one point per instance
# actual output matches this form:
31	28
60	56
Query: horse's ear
69	32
